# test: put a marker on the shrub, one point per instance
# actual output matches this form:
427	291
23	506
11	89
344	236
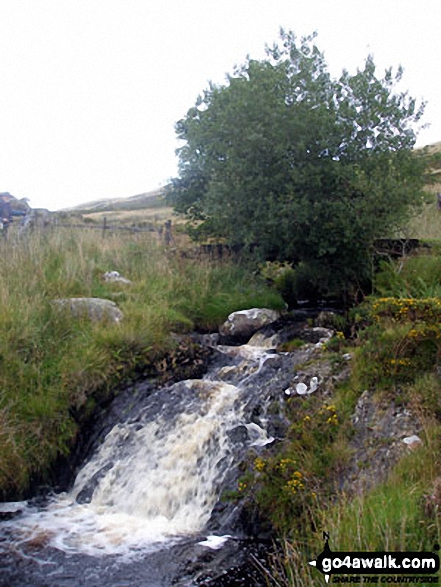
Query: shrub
413	277
289	484
402	342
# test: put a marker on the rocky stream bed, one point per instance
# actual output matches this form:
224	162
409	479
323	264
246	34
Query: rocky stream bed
146	509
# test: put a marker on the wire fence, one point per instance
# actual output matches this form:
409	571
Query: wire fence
105	226
43	222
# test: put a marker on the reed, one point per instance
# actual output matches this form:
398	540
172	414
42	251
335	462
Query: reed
52	364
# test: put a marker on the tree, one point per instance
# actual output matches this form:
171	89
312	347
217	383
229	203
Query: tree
312	169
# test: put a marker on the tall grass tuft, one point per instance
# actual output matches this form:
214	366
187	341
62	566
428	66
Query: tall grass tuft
52	364
400	515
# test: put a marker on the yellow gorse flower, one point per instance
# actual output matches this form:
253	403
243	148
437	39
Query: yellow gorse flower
259	464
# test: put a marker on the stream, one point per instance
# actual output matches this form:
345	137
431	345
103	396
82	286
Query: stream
145	508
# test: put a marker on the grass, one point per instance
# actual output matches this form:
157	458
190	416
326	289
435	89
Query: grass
392	517
395	356
53	366
400	515
426	224
131	217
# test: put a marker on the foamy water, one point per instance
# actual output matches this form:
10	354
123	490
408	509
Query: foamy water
152	481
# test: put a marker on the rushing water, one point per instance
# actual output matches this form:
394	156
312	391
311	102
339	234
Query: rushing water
142	505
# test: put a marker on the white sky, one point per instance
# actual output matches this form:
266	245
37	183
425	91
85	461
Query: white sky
91	89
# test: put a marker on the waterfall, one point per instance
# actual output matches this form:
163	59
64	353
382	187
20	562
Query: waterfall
156	477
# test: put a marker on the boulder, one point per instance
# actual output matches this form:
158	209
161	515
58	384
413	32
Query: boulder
94	308
245	323
115	277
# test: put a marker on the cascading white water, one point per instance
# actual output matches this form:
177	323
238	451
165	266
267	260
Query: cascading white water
155	480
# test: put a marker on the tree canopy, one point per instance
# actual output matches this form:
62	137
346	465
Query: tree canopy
310	168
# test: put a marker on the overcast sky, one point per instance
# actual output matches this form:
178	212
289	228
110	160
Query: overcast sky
91	89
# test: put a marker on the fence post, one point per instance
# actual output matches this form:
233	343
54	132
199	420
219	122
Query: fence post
104	226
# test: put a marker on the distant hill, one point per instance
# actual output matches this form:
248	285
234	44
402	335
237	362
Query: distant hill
154	199
147	209
151	207
426	225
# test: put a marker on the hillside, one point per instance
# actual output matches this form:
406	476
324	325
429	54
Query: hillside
151	207
427	224
146	207
151	199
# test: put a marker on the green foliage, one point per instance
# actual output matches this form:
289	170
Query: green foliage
291	345
397	515
310	168
396	356
289	485
402	342
401	514
284	278
54	367
426	395
222	289
413	277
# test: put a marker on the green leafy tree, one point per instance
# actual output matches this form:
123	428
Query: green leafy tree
312	169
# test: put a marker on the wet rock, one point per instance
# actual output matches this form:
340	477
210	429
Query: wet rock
263	377
5	516
86	494
209	340
262	340
380	428
238	434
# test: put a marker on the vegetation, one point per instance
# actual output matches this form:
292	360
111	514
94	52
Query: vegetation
401	514
54	367
312	169
395	351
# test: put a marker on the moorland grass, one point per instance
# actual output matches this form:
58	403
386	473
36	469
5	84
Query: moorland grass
52	364
395	353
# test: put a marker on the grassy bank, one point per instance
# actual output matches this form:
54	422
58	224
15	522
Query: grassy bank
308	485
52	365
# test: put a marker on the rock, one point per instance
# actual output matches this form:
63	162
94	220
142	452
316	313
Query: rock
262	340
316	335
245	323
238	434
302	388
413	441
115	277
94	308
86	493
381	430
10	510
324	334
